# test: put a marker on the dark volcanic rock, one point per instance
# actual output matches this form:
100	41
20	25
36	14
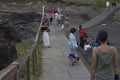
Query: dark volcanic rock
8	51
19	18
15	28
23	23
10	33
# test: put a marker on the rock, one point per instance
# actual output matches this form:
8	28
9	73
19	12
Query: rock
8	51
23	24
10	33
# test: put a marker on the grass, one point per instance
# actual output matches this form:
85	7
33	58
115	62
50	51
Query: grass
21	47
38	70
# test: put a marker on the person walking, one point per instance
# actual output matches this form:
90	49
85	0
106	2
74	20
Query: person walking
104	60
107	4
73	46
87	47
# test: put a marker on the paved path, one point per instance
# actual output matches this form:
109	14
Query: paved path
55	64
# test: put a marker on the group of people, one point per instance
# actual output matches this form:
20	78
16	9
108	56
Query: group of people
74	43
108	4
47	21
62	21
105	64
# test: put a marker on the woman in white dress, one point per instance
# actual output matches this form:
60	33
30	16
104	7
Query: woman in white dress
46	39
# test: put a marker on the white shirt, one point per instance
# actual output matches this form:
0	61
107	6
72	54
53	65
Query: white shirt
72	41
59	17
86	47
56	15
107	4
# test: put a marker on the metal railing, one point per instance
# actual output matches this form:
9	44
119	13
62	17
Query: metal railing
24	66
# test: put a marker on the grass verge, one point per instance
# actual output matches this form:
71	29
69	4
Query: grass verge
21	47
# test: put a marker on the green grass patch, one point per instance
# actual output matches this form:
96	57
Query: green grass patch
21	47
38	70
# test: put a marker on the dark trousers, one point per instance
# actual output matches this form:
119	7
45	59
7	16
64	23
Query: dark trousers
82	42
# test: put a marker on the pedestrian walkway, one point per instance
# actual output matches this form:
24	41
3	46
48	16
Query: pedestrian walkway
55	64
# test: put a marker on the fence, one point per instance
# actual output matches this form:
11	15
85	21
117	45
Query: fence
24	66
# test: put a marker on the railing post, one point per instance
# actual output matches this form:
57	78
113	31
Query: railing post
43	11
15	77
35	53
38	44
33	63
28	69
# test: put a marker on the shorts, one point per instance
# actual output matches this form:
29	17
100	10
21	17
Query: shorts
71	56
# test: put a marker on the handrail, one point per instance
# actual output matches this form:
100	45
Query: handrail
11	71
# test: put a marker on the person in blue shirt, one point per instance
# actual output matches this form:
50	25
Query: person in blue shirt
73	46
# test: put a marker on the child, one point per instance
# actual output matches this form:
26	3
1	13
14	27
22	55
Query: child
62	27
73	46
87	47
